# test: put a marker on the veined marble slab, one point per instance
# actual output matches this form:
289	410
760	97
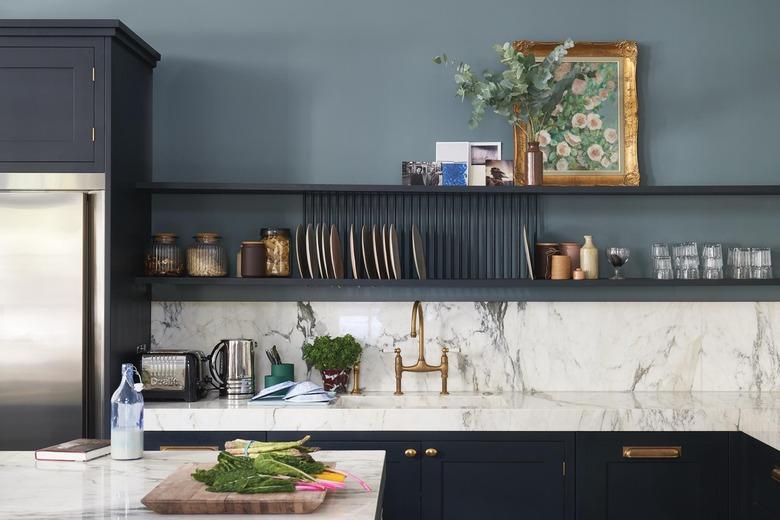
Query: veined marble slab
512	346
753	413
106	488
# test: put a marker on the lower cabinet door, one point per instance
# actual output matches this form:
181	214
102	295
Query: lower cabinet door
761	480
652	476
493	480
402	470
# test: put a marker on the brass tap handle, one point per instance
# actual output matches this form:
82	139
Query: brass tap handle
431	452
445	364
356	379
410	453
399	370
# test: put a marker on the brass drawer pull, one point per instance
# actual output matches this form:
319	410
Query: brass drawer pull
775	474
410	453
189	448
652	452
431	452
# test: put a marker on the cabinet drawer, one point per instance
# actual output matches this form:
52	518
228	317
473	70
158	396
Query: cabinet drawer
51	115
652	475
762	480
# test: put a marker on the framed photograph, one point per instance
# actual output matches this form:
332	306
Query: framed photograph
420	173
454	174
499	173
453	151
591	137
478	154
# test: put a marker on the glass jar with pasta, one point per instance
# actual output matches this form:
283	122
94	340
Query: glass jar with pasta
206	257
277	251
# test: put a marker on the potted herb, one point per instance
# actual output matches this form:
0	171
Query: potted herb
525	93
333	357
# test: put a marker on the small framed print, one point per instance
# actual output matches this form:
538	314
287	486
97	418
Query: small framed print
455	174
499	173
479	153
421	173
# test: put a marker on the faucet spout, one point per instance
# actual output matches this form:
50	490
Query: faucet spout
418	331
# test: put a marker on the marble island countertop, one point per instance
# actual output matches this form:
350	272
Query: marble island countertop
106	488
757	414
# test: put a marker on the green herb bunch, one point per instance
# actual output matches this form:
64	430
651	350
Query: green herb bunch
327	353
525	93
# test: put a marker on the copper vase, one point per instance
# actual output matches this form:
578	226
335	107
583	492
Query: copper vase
533	163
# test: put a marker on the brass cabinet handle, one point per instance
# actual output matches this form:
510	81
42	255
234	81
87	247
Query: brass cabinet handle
410	452
189	448
775	474
652	452
431	452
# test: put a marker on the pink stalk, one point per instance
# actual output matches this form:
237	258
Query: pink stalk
350	475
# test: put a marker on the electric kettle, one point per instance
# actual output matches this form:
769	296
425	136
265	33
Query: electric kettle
232	366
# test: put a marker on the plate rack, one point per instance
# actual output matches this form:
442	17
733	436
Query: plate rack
466	236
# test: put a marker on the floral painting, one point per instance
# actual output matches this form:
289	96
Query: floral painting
582	133
590	138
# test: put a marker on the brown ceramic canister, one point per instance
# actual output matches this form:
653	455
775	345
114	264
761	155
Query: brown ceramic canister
572	250
253	259
543	251
560	267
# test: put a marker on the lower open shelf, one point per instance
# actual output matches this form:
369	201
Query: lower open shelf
297	289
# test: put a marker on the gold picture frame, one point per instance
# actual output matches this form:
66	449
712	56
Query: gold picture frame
624	54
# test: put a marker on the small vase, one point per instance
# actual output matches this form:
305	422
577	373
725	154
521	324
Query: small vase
533	164
589	259
335	380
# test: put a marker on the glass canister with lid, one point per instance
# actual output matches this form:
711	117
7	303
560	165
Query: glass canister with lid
206	257
163	257
277	251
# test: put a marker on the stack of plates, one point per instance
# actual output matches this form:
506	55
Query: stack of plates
319	252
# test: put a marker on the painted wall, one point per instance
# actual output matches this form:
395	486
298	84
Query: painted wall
297	90
344	90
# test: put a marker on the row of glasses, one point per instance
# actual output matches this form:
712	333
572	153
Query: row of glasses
750	262
685	259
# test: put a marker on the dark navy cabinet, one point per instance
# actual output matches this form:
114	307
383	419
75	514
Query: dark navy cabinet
61	83
761	481
48	107
494	479
653	476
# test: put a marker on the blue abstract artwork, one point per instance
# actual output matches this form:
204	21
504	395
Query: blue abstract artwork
455	174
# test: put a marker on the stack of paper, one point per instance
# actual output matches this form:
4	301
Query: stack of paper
305	392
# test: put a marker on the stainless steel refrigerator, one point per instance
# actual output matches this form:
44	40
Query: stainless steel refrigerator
51	273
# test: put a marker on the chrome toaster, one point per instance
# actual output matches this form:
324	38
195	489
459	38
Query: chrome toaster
173	375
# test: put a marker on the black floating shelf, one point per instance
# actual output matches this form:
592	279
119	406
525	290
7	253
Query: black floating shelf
455	284
207	188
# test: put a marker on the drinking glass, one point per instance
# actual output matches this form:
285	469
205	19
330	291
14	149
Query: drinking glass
662	268
618	256
739	263
659	249
685	249
761	263
712	250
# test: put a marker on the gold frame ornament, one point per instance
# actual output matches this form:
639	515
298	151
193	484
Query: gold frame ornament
626	52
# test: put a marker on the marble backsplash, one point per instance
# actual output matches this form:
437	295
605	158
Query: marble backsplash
511	346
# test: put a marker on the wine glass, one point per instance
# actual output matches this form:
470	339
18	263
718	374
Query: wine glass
617	256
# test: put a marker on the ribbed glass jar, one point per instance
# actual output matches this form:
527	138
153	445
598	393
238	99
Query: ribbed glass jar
277	251
206	257
163	256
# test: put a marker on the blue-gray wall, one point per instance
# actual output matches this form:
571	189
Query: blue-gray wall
344	90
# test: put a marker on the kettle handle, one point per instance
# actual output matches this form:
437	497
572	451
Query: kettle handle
218	378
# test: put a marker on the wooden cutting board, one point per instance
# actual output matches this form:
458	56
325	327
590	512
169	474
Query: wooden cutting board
181	494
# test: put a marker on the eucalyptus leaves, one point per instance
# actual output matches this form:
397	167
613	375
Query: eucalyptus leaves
526	93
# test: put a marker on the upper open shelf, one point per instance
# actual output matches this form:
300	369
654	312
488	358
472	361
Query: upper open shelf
291	189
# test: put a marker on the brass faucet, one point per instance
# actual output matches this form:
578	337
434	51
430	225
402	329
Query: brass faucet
421	365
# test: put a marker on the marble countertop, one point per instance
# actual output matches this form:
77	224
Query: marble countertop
106	488
757	414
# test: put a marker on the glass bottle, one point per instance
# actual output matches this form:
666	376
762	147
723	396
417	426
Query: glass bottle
589	258
127	418
163	258
277	251
206	257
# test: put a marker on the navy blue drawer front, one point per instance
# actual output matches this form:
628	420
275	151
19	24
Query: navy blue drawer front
762	480
650	482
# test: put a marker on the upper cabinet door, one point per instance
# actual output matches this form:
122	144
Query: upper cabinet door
48	116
